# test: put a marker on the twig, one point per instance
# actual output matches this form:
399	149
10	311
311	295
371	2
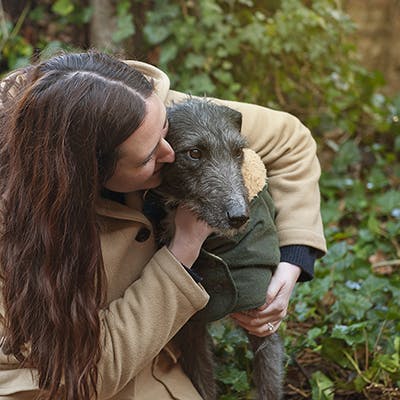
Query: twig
17	26
299	391
3	24
366	350
386	263
379	335
302	370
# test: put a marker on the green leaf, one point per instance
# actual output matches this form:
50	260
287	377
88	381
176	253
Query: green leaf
360	383
331	211
125	28
388	201
234	377
332	349
315	333
322	387
156	34
351	334
63	7
389	363
168	53
349	154
352	306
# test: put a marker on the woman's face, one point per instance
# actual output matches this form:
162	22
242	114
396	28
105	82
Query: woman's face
144	152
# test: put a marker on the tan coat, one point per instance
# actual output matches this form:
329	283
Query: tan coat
150	295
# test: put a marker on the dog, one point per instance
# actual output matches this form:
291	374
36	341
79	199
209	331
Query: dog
207	177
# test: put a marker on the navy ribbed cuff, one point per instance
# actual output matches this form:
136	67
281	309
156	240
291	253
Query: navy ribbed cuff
196	277
302	256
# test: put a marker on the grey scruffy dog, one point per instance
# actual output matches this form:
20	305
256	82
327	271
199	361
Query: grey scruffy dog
206	177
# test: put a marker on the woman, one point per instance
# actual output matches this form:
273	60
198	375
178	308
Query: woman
89	303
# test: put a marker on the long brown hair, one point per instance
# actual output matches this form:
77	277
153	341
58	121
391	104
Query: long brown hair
59	138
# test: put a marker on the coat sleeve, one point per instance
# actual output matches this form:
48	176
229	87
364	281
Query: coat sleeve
137	326
289	153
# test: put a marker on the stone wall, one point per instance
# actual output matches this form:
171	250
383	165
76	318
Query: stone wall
378	37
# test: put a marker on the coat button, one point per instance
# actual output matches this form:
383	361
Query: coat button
143	235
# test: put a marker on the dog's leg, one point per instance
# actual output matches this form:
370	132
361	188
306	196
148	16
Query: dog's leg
197	358
268	366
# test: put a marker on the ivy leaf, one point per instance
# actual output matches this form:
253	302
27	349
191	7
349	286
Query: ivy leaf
168	53
125	25
351	334
63	7
332	349
125	28
156	34
349	154
388	201
352	306
234	377
322	387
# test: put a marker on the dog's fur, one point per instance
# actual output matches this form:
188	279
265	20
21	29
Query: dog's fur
206	177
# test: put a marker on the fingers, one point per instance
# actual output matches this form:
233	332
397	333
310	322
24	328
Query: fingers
190	233
266	319
259	323
275	312
190	224
257	326
266	330
274	288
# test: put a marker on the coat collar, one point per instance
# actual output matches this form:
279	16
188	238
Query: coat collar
131	211
159	78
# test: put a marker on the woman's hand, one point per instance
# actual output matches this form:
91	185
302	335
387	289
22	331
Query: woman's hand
266	319
190	233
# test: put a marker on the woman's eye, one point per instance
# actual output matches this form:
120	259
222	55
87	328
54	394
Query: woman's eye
195	154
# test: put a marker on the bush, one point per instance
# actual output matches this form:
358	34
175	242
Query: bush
289	54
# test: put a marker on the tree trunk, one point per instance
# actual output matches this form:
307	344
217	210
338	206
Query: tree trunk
377	37
103	25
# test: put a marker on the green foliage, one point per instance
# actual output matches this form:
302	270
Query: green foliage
15	50
69	12
63	7
321	387
355	306
125	25
235	360
61	16
288	54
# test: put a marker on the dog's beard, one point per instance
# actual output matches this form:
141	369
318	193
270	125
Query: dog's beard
219	223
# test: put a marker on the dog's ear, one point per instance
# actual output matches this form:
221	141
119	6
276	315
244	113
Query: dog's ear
234	116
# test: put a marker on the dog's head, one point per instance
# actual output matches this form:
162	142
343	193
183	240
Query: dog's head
206	175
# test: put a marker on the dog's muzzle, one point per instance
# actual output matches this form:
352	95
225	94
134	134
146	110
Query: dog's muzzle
237	216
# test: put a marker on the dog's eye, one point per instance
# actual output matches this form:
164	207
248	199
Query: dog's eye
195	154
238	153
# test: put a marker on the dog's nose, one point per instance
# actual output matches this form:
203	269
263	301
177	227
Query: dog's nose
237	220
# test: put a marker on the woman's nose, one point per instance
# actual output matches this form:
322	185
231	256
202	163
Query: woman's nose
166	153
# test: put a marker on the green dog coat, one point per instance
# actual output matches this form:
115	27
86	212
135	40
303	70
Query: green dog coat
236	271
